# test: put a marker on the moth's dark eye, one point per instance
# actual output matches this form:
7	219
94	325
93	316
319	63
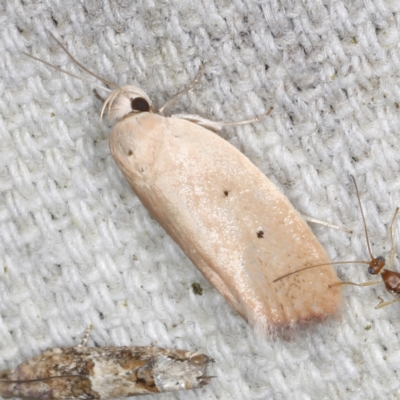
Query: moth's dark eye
140	104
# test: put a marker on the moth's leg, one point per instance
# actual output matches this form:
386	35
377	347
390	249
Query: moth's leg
216	126
86	336
329	225
176	96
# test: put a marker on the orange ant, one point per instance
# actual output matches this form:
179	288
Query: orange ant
391	279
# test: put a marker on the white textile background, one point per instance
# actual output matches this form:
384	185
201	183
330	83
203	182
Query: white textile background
78	248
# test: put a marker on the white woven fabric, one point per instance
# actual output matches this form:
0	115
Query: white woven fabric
78	248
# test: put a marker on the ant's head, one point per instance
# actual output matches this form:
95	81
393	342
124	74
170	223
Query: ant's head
376	265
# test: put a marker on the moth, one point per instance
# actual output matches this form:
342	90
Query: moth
232	222
104	372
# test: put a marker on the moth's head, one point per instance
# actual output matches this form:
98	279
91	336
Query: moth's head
127	100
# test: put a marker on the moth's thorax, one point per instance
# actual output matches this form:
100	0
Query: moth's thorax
125	101
136	142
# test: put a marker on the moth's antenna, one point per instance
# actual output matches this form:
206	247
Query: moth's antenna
67	72
82	66
105	81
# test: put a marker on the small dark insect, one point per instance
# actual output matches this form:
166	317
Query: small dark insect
376	265
197	289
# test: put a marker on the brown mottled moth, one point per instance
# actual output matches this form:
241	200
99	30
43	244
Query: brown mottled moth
232	222
104	372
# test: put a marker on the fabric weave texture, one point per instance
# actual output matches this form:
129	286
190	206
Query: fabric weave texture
78	248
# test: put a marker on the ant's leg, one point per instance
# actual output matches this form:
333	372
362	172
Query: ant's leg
386	303
382	302
357	284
